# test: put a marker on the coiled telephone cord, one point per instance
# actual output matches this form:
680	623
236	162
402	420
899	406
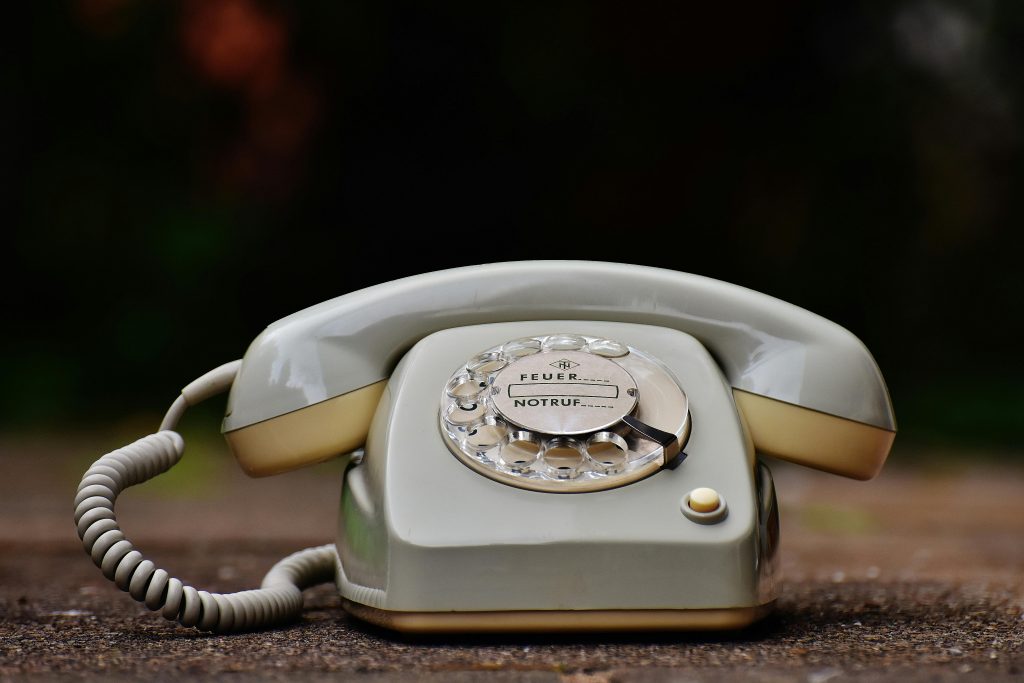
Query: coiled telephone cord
279	598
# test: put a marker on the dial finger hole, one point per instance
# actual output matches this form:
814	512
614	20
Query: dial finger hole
563	458
607	451
521	347
521	450
485	434
460	415
466	388
486	363
565	342
608	348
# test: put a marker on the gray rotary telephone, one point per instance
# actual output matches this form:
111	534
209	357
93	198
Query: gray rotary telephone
548	445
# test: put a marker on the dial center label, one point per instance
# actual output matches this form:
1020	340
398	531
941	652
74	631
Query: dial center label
564	392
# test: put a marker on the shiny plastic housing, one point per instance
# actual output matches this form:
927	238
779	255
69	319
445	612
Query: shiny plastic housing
764	346
422	535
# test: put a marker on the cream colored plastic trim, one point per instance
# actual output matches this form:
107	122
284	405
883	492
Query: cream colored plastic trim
310	435
533	621
818	440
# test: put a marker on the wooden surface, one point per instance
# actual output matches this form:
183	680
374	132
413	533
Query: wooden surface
914	576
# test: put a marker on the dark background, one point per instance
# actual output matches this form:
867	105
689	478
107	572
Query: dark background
185	173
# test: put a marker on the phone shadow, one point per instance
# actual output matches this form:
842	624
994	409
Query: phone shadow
771	626
816	614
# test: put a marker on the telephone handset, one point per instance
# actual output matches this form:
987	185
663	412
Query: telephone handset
551	445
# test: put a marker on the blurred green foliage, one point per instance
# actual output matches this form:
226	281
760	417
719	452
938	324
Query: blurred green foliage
187	172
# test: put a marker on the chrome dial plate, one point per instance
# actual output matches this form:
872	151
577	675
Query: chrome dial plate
563	392
559	413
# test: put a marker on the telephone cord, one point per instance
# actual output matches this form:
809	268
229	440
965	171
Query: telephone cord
279	598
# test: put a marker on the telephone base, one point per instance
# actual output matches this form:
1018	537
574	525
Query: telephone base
532	621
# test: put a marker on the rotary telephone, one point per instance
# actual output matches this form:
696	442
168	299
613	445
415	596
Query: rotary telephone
547	445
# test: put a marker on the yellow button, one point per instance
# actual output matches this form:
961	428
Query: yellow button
704	500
